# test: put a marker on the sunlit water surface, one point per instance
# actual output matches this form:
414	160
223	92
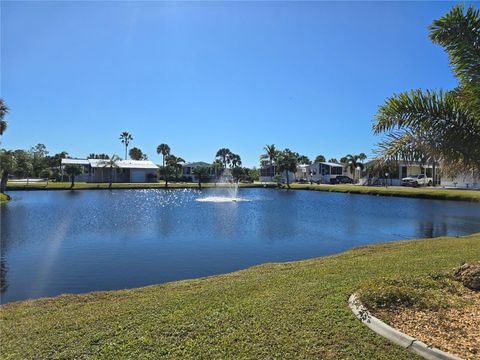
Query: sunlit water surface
55	242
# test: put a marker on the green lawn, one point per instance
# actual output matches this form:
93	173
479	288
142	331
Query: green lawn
84	185
427	193
283	310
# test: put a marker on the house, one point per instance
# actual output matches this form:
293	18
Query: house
267	174
400	170
127	171
324	171
188	173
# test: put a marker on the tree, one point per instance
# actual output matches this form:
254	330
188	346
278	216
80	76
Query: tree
24	164
333	160
98	156
235	160
320	158
137	154
126	137
237	173
217	166
354	162
176	163
287	162
271	155
164	149
224	155
39	158
8	166
3	111
72	171
440	125
304	160
111	164
46	174
201	173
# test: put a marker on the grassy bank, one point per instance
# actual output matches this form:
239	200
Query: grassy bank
286	310
4	198
426	193
94	186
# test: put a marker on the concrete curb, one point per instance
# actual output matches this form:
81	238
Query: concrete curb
396	336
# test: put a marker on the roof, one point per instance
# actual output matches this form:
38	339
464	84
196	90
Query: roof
75	162
331	164
123	164
197	164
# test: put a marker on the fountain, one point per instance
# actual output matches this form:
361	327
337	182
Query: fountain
231	186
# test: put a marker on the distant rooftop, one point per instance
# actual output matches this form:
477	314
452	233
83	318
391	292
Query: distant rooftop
123	164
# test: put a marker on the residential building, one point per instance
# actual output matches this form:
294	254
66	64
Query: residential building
127	171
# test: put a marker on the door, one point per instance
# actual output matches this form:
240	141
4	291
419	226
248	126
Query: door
137	176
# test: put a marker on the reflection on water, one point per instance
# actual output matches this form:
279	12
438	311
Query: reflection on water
55	242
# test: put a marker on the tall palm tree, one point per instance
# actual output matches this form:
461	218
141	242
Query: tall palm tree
126	137
110	164
164	149
3	111
271	155
224	155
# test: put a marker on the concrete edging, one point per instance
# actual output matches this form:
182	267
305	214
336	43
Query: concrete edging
396	336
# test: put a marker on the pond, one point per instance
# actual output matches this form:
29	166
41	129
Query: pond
55	242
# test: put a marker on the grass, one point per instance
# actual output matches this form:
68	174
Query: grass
427	193
432	292
281	310
4	197
93	186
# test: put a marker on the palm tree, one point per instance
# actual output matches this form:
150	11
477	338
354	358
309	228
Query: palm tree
126	137
164	149
111	164
201	172
224	154
72	171
304	160
3	111
136	154
176	163
235	160
441	124
320	158
354	162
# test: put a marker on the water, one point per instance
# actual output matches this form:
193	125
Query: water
56	242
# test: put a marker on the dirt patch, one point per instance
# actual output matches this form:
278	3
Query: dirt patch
454	330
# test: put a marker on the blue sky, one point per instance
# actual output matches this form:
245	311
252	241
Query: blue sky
201	76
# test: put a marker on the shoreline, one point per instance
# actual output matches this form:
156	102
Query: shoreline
421	193
237	314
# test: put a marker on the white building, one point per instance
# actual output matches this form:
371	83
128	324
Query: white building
126	171
467	180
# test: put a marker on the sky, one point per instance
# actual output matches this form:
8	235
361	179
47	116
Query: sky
200	76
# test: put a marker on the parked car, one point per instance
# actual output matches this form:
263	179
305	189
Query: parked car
417	180
341	179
